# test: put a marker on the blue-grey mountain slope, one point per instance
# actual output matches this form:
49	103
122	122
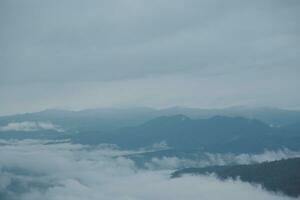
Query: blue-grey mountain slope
216	134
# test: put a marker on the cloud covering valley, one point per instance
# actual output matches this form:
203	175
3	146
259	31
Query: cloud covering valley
33	169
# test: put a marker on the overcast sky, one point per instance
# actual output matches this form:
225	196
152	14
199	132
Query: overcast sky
79	54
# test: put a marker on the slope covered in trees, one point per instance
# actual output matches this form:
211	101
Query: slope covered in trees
278	176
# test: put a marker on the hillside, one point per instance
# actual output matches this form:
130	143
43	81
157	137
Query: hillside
278	176
216	134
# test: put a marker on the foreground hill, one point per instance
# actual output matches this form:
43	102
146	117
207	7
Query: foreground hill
278	176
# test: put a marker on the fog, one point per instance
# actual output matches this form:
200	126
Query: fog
209	159
30	126
34	170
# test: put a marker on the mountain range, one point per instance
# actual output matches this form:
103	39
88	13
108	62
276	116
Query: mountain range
143	127
216	134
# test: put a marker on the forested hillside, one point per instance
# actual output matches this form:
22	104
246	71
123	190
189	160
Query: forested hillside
278	176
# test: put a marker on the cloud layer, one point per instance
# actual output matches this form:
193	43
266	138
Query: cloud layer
34	169
209	159
30	126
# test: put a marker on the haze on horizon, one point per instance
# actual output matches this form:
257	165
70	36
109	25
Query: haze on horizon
128	53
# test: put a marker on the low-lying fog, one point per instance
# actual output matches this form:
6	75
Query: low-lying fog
59	170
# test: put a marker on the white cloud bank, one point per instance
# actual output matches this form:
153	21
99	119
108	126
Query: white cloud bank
208	159
30	126
34	170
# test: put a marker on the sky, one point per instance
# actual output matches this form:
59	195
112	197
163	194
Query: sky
76	54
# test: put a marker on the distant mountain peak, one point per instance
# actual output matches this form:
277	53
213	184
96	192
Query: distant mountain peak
173	119
180	117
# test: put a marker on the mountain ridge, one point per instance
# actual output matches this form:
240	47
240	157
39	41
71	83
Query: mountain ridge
216	134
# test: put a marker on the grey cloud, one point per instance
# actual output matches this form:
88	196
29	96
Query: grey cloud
58	45
107	40
279	89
